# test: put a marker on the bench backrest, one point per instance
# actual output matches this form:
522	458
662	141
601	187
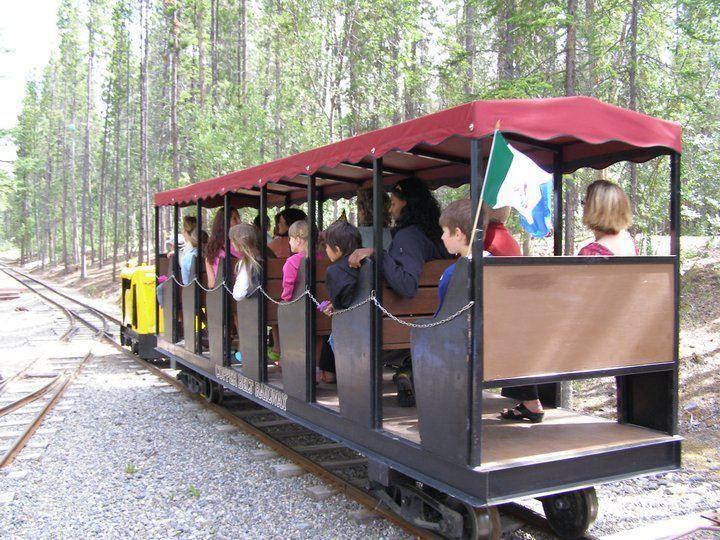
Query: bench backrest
423	304
560	318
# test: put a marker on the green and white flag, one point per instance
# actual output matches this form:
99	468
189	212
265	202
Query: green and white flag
513	179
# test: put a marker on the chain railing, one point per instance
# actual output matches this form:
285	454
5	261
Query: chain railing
371	298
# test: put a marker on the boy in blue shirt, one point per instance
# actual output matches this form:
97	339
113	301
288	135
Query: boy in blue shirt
456	222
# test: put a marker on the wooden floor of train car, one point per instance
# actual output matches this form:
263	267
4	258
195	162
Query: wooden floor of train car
562	433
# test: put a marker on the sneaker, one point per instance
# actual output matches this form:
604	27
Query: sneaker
405	388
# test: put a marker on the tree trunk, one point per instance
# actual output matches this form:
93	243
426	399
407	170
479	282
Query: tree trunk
143	227
633	90
128	146
199	31
566	393
242	49
86	157
63	149
101	202
469	11
570	68
214	47
506	60
174	96
73	198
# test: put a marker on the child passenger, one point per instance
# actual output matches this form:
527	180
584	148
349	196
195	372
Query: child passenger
456	222
245	239
341	239
298	233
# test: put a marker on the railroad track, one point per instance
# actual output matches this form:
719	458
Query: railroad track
342	468
29	396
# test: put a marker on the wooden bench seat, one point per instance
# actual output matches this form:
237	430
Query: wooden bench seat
423	304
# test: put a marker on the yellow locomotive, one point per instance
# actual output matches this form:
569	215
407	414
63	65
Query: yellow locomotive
139	318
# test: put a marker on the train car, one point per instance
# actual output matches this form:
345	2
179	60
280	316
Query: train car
447	463
138	329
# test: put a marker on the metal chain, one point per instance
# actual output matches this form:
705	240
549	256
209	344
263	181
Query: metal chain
427	325
372	298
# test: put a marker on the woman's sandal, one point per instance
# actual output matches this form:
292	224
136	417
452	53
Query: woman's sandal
520	411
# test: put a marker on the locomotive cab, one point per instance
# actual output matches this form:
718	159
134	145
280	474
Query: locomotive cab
138	305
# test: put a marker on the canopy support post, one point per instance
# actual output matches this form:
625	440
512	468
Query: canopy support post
557	205
320	205
675	224
157	267
377	363
176	274
553	394
310	264
226	318
475	374
262	312
198	276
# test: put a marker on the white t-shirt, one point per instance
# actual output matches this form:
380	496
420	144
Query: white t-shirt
243	280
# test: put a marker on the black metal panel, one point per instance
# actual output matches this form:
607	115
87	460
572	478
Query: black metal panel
168	310
175	272
198	291
646	400
293	340
214	305
576	375
575	472
377	366
310	264
352	339
157	266
189	300
248	336
467	484
577	260
440	359
475	286
227	271
261	375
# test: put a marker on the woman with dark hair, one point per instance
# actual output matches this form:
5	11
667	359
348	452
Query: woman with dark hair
215	249
280	244
415	237
364	203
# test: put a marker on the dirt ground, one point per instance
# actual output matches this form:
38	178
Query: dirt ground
699	345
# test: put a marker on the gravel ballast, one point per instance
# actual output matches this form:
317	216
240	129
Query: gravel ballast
128	459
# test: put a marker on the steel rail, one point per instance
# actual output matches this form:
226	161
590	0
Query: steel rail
62	381
11	453
29	398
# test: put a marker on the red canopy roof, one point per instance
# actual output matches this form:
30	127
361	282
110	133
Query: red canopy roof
582	131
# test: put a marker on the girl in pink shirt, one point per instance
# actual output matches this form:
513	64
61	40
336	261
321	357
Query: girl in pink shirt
298	234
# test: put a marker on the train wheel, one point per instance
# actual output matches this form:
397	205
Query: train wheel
571	514
478	523
214	393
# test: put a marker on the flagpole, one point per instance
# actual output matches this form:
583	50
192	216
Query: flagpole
482	188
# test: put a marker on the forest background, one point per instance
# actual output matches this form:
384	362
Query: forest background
144	96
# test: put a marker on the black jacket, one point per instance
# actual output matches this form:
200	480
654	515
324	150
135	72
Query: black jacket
341	282
402	263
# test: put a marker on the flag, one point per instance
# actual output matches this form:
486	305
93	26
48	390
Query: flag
542	214
513	179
